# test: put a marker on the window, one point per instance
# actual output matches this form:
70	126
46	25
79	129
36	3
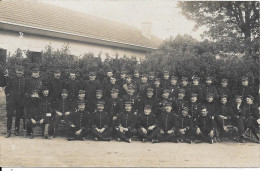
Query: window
35	57
3	55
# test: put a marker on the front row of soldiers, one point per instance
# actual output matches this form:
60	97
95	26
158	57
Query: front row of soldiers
151	117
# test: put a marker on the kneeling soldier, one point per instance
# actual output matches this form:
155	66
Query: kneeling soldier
100	123
79	123
148	125
168	123
204	126
125	128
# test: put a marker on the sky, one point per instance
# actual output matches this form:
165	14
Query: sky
164	15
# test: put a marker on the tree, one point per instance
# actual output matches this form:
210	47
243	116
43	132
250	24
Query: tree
226	21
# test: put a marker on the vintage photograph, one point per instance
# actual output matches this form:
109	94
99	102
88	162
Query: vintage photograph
129	83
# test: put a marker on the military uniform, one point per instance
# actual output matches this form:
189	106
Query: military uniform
186	88
142	88
209	89
196	89
194	110
174	88
244	91
33	83
179	103
133	99
204	123
158	91
225	90
55	86
165	83
108	88
73	87
148	101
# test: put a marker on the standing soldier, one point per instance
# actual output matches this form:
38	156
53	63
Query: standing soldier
109	87
244	90
33	83
126	122
106	80
55	85
209	88
174	87
143	86
184	85
148	125
193	106
179	103
149	100
91	86
15	94
100	123
196	88
224	89
166	81
151	78
131	97
73	86
136	80
121	81
158	91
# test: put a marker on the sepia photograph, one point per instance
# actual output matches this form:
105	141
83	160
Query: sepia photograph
129	84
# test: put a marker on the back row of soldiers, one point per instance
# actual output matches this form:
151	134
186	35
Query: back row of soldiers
155	109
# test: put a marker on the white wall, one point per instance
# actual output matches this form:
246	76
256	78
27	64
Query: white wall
12	41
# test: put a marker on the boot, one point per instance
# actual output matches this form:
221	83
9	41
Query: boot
46	130
8	134
16	132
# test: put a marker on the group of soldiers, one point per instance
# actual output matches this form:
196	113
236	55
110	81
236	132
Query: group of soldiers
132	104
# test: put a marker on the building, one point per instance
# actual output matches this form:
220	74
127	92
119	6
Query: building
32	25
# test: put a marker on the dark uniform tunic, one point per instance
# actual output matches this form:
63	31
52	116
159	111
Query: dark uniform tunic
55	87
148	101
251	115
244	91
46	107
239	118
185	122
62	105
174	91
146	121
113	108
157	92
100	119
32	84
209	89
73	87
197	89
205	124
91	87
178	104
194	110
165	84
132	99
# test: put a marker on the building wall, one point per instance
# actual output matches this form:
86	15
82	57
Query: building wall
12	41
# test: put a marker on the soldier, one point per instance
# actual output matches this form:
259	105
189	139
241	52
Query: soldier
33	115
223	115
204	126
196	88
106	80
148	128
121	81
137	80
100	123
149	100
109	87
168	124
55	85
126	122
209	88
73	86
174	87
252	116
193	106
91	86
158	91
46	110
165	99
166	81
210	104
184	85
244	90
15	94
179	103
62	110
224	89
79	123
239	117
131	97
185	126
143	86
128	82
33	83
151	78
81	97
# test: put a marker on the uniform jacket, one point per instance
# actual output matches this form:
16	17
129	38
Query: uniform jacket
251	110
91	87
204	123
194	110
184	122
15	86
127	119
73	87
81	119
168	121
32	84
45	106
100	119
133	99
178	104
33	109
147	120
55	87
225	110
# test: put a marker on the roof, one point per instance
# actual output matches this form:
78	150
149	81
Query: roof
41	16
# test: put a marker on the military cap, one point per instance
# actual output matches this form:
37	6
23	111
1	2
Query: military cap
168	104
127	103
244	78
131	87
57	70
251	97
45	88
147	106
114	90
81	102
64	91
184	79
136	71
99	91
34	91
166	72
100	103
144	75
92	73
151	73
203	107
195	77
185	108
194	95
173	77
223	96
150	89
209	94
238	97
82	91
181	91
156	79
166	91
128	76
123	72
36	69
224	80
209	78
19	68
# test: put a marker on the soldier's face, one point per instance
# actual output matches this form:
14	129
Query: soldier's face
204	112
114	95
45	93
238	100
149	94
151	77
195	82
184	113
57	75
209	98
166	94
181	95
36	74
173	82
245	83
112	80
98	95
122	76
72	76
136	74
19	73
128	108
64	95
223	100
168	108
157	83
224	84
35	95
131	91
193	99
81	96
100	107
184	83
144	79
81	107
92	77
147	111
166	76
208	82
129	80
109	74
249	100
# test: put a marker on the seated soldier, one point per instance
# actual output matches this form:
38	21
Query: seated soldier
46	111
100	123
204	126
126	122
148	128
33	114
62	109
79	123
185	126
168	124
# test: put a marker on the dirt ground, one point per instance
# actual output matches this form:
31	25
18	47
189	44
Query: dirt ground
58	152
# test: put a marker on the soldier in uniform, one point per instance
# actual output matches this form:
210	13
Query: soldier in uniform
91	86
196	88
165	84
186	126
148	128
46	110
143	86
79	123
174	87
184	85
168	124
131	97
252	116
126	122
158	91
244	90
73	86
33	115
128	82
62	109
15	94
56	85
179	103
211	104
204	126
224	89
100	123
92	104
149	100
106	80
136	80
165	99
121	81
33	83
209	88
81	97
193	106
109	87
151	77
